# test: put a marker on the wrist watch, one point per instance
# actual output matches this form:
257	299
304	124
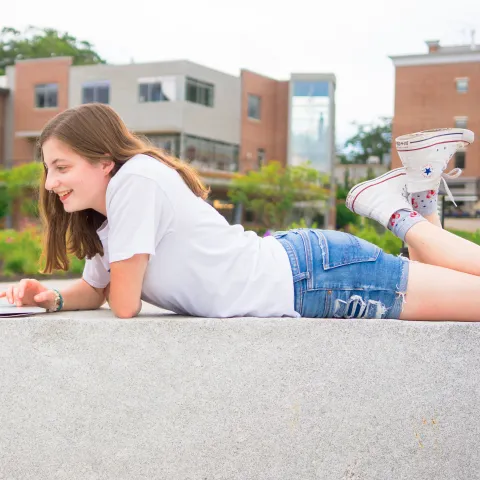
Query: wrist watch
58	302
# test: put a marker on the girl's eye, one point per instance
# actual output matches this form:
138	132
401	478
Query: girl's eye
61	169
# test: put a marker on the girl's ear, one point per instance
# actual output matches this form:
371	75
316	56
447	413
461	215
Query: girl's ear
107	165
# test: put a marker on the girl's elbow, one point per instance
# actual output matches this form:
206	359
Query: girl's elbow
126	312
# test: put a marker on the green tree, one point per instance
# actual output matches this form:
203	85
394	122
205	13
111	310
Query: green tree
36	42
272	192
20	184
370	140
345	217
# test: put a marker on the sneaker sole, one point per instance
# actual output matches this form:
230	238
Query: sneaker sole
406	143
361	187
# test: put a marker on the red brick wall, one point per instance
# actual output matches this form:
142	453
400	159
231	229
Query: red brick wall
270	132
28	118
426	98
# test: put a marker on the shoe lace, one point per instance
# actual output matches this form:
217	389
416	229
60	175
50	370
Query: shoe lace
455	173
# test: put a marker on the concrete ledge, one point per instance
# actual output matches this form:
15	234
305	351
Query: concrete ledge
86	396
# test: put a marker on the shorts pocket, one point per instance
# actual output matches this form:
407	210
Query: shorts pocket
340	248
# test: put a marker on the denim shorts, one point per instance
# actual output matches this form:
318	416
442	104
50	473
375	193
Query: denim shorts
337	275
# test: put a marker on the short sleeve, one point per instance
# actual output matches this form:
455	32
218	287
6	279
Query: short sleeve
139	216
96	271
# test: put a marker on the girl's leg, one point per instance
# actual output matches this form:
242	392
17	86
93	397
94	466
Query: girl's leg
380	197
438	294
425	155
435	246
434	219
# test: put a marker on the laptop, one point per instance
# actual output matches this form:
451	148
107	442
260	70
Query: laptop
8	310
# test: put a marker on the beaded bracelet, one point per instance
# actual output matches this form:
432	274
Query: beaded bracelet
58	302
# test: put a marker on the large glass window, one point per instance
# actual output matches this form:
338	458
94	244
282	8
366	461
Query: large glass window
158	89
96	92
199	92
169	143
206	154
310	124
46	95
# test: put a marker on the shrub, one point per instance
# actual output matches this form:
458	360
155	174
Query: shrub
385	240
20	254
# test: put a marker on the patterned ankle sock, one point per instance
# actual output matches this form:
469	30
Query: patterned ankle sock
425	202
402	221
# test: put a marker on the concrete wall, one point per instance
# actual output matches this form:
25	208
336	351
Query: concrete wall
87	396
222	122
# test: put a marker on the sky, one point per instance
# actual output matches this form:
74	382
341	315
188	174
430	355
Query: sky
352	39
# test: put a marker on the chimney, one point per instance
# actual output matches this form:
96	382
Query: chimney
472	42
433	45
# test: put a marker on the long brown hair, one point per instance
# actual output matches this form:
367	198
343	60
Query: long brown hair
92	130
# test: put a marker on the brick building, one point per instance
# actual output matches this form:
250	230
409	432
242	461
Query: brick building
220	123
437	89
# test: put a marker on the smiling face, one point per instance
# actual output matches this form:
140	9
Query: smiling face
80	184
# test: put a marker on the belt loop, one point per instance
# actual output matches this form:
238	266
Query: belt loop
305	233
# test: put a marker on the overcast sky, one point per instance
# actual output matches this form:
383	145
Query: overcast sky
351	39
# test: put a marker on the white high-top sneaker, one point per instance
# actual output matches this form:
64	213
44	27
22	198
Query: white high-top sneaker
426	154
380	197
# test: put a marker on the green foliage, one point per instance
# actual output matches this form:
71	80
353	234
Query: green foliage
386	240
20	184
345	217
301	224
272	191
370	140
470	236
27	175
36	42
391	244
20	254
4	201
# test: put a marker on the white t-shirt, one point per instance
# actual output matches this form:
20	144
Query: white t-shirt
199	264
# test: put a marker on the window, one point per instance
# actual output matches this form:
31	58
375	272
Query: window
205	154
460	160
461	122
199	92
46	95
260	157
254	103
462	85
96	92
168	143
160	89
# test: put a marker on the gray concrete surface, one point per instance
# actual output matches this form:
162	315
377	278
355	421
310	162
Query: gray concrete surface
87	396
